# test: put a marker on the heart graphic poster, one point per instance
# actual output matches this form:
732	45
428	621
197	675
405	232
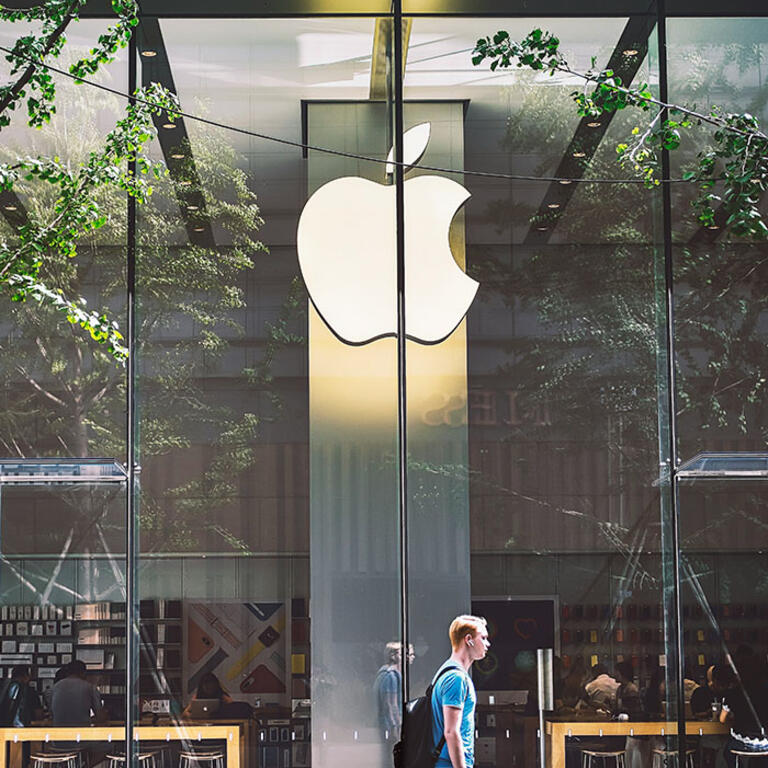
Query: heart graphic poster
243	644
516	628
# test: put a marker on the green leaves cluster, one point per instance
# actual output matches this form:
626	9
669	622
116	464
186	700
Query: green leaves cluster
739	157
538	51
35	83
732	174
76	211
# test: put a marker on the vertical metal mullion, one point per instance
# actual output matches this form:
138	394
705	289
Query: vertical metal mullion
676	597
402	425
131	617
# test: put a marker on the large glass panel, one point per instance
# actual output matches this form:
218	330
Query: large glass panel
269	549
62	395
63	600
533	439
720	338
62	509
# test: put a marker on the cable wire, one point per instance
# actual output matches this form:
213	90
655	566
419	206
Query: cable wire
338	152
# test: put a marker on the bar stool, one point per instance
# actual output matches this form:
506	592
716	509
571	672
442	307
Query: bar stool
162	751
147	759
617	755
746	755
667	758
211	758
55	759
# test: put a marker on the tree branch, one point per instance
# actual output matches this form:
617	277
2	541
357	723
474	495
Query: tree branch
53	38
41	390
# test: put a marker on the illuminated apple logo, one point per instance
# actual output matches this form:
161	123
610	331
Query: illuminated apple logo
348	257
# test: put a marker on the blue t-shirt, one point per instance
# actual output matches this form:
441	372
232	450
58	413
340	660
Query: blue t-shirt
454	688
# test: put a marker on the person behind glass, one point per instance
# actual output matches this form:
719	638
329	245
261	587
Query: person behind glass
453	695
602	689
706	704
74	702
719	680
654	698
745	708
61	673
573	693
628	700
387	688
20	705
629	704
209	687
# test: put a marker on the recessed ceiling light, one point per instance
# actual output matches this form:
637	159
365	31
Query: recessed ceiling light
713	226
177	155
169	126
579	154
10	207
553	205
149	54
185	182
594	125
199	229
566	181
193	207
542	229
630	52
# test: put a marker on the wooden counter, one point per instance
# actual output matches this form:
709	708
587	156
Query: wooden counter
558	730
186	732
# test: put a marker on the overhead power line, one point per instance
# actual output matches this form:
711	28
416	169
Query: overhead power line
339	152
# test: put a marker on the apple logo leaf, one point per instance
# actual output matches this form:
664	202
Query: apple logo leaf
415	142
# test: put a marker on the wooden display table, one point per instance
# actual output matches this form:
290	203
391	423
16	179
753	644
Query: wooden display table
186	732
557	731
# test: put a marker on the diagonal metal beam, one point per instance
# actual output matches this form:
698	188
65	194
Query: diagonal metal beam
12	208
173	137
625	61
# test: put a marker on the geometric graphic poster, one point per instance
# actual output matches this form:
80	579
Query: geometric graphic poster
243	644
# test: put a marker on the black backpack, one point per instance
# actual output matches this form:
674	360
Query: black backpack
415	748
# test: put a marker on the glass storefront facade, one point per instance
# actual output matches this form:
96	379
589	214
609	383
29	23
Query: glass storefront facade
296	499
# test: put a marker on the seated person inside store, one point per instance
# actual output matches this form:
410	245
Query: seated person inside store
74	702
719	680
706	704
602	690
19	702
19	706
211	700
745	708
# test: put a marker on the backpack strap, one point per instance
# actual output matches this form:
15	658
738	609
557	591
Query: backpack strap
440	744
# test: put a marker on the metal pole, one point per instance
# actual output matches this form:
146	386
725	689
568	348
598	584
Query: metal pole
674	606
546	696
131	617
402	425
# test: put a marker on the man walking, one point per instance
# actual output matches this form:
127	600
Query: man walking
453	695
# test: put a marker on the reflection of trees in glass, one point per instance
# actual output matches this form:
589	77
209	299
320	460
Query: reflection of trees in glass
63	395
584	299
118	160
721	281
588	339
730	175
